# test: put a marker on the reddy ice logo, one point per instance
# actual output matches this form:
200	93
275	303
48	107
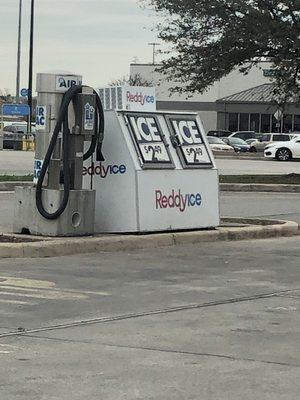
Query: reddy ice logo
103	171
176	199
140	98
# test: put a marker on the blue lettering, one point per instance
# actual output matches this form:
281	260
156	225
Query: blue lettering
122	169
114	169
198	199
192	200
103	171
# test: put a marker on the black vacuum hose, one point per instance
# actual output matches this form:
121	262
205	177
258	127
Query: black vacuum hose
63	122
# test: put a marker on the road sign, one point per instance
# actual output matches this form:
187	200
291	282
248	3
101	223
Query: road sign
15	109
24	92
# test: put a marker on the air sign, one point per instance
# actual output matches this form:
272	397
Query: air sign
149	141
190	145
65	82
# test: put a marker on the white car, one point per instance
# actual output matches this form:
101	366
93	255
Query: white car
283	151
217	144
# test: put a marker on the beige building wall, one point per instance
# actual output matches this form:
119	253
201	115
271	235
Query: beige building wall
233	83
204	104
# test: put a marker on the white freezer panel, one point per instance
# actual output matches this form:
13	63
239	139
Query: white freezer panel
170	200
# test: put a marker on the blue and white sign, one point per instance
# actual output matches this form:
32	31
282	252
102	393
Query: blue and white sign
15	109
89	117
24	92
65	82
41	115
37	170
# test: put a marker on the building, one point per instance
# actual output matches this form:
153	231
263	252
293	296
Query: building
236	102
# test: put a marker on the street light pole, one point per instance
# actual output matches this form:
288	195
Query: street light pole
19	53
154	50
30	67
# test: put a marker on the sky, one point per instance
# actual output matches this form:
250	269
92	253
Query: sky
95	38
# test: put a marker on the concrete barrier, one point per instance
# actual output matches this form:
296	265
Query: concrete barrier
10	186
233	229
259	187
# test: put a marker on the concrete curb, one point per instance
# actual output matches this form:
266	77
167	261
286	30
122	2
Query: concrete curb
10	186
259	187
241	156
254	229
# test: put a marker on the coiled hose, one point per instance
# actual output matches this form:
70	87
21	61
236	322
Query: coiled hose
63	122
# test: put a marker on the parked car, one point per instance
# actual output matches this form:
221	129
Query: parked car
13	136
244	135
260	144
249	141
283	151
219	133
238	144
216	144
294	135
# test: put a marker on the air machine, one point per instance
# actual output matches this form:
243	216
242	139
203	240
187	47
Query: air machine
157	174
68	115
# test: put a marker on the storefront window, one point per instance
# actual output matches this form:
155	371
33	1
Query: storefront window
296	123
244	122
276	124
233	122
254	122
287	123
265	123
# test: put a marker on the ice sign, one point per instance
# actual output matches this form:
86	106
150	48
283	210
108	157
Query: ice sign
149	141
188	141
187	132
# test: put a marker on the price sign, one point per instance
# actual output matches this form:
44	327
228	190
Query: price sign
189	141
149	141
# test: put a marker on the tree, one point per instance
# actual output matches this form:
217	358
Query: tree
210	38
5	96
132	80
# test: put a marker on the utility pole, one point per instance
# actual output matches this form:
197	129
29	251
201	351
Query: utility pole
30	67
154	50
19	53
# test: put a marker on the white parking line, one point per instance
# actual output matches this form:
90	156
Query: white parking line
48	295
71	291
15	302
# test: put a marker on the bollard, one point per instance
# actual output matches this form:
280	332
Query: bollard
28	144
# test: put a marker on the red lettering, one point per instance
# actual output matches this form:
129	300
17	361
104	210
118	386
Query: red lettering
158	195
178	200
164	201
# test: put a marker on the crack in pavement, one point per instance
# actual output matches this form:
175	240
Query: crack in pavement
164	350
21	331
192	353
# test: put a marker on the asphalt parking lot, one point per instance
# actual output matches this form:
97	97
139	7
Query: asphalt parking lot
257	167
213	321
16	162
21	163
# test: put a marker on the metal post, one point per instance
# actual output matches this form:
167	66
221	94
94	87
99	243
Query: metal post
19	53
30	67
154	52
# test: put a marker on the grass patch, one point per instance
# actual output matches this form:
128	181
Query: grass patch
290	179
16	178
